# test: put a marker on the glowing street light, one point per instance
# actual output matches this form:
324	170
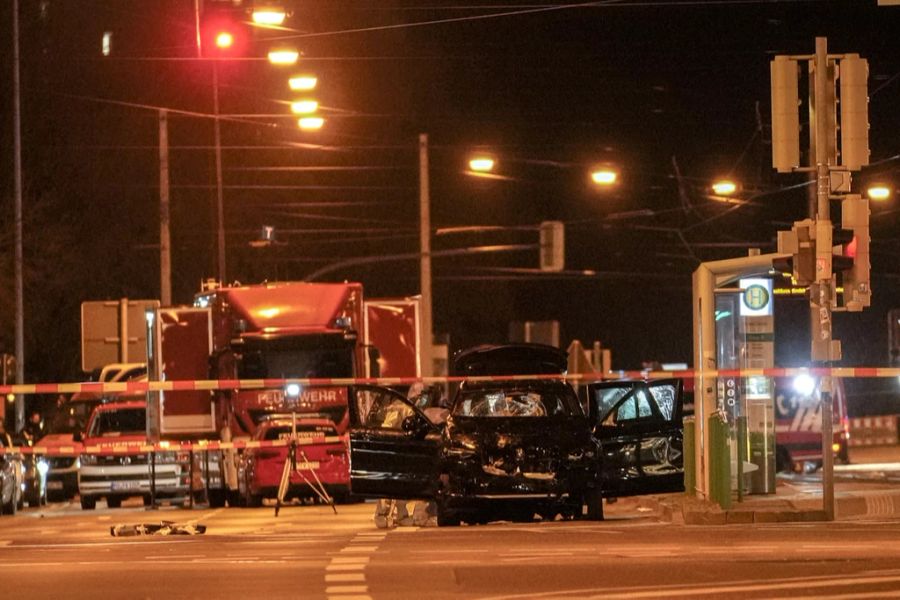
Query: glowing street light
724	187
481	164
878	191
604	176
304	107
303	83
310	123
270	16
283	56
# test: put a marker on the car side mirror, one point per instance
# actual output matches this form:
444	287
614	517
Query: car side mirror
77	436
414	426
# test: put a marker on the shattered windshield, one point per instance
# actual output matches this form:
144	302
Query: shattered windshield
512	403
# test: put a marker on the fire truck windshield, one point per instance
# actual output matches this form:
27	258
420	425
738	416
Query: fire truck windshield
286	363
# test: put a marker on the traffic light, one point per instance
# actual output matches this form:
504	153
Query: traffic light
224	34
553	246
785	114
851	252
800	243
854	74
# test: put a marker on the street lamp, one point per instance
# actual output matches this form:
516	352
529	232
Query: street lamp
310	123
724	187
268	16
604	176
482	163
304	107
878	191
283	56
303	83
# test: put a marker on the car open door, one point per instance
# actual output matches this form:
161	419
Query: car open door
394	448
638	425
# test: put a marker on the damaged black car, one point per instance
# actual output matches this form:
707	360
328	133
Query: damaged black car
512	448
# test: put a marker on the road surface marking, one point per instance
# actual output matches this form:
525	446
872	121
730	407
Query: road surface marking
346	589
346	560
353	549
344	577
345	567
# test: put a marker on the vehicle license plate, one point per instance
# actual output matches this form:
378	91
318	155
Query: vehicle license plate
124	485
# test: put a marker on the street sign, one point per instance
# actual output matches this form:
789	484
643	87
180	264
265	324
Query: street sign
113	331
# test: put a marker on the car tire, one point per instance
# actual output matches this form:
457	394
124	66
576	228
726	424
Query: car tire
10	507
88	503
783	463
446	517
594	501
216	498
113	502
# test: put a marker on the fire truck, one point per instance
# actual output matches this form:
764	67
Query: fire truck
265	332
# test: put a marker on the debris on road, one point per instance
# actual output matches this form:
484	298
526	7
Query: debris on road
161	528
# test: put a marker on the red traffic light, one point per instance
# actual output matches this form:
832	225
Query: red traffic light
224	36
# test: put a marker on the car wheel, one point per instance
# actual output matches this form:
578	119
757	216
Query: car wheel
594	501
88	503
148	501
216	498
10	507
113	502
783	462
446	517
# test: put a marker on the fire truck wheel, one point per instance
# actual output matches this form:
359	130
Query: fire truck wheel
88	503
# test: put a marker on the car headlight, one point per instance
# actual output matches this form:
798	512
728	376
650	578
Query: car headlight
804	385
43	466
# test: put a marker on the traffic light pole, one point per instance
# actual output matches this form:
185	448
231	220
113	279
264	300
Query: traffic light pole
822	293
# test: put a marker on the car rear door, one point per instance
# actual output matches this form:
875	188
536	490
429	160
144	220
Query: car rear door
638	425
394	448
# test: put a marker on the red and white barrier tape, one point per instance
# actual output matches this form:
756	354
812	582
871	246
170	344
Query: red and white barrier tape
77	449
138	387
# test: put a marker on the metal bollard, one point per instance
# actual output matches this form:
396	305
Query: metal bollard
690	471
719	461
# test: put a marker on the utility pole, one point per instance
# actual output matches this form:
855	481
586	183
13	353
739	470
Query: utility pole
165	255
220	206
426	351
19	256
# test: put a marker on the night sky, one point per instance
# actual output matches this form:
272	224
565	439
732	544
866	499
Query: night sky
674	94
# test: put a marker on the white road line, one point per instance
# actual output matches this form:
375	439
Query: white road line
344	577
346	589
352	549
344	567
346	560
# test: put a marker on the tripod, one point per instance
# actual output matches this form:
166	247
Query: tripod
290	466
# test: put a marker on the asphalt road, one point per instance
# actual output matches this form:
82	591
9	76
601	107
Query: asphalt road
308	552
60	551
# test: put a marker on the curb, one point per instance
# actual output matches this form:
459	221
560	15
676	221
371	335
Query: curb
681	509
